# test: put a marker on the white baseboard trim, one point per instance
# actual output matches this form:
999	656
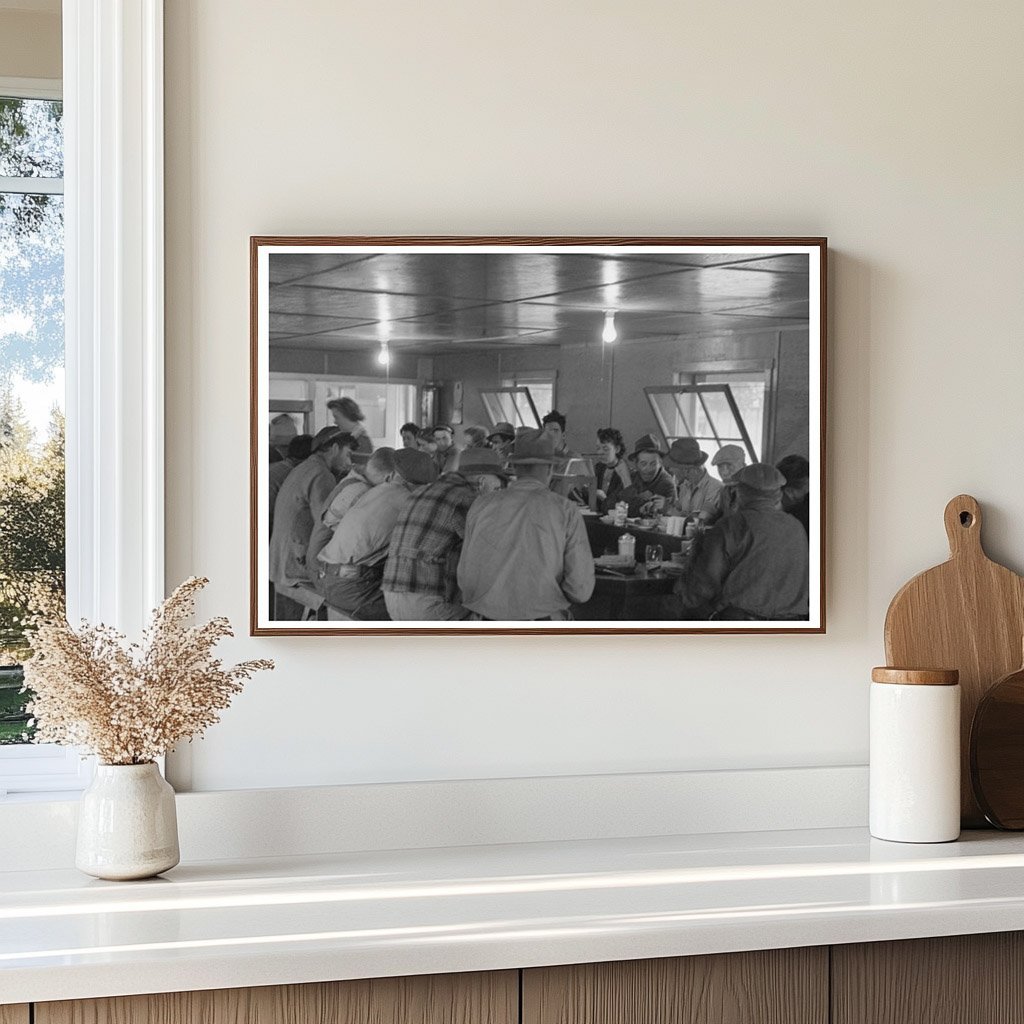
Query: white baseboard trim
255	823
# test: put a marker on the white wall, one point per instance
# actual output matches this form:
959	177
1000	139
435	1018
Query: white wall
894	129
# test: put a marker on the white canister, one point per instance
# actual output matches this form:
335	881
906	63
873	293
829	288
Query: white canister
915	755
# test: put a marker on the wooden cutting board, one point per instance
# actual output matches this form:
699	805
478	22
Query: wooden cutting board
967	614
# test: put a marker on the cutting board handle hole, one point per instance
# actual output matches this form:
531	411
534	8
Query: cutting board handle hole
966	519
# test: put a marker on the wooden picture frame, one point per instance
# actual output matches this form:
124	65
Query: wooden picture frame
721	340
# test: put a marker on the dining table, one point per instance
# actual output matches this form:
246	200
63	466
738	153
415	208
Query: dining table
628	596
604	537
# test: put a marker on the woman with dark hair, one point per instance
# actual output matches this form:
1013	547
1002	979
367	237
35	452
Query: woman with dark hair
349	417
613	474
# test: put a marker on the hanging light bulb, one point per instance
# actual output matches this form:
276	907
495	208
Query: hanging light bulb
609	334
384	356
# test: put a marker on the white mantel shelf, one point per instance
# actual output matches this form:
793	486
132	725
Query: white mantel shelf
225	924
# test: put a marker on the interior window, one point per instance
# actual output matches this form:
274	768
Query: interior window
385	405
706	412
541	387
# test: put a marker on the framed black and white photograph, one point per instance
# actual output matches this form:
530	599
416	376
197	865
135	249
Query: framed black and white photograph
537	435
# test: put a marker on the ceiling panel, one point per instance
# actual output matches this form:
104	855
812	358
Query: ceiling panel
308	323
294	266
457	300
785	263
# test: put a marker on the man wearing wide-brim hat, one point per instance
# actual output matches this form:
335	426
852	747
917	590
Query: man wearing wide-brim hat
652	488
352	561
753	564
526	555
420	582
697	491
501	438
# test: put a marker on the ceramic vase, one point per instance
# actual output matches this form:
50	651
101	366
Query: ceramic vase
127	825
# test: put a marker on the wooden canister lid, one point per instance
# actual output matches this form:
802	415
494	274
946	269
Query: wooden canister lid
916	676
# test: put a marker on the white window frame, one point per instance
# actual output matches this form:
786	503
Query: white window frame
114	326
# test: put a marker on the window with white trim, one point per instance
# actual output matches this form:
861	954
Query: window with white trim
32	486
541	384
751	390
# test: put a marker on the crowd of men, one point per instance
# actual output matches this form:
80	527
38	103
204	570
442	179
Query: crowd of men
490	529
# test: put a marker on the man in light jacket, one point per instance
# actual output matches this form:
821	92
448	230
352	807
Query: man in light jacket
526	555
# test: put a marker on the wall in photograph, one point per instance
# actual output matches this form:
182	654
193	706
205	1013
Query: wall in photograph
489	369
457	117
598	388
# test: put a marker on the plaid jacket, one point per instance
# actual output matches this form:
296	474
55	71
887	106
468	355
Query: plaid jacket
427	539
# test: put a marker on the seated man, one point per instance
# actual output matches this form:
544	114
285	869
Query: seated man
379	467
752	564
352	562
698	491
501	438
796	490
526	555
300	504
447	455
420	573
410	433
652	488
553	424
728	460
475	437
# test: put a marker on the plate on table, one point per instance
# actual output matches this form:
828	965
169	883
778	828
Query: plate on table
618	562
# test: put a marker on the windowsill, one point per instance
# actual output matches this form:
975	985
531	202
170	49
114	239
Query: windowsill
391	913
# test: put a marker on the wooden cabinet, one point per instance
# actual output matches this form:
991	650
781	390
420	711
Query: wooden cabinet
971	979
491	998
778	986
963	979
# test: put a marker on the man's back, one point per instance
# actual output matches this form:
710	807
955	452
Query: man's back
755	560
363	535
300	501
526	554
427	538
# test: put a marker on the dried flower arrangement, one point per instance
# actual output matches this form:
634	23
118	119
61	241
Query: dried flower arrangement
129	704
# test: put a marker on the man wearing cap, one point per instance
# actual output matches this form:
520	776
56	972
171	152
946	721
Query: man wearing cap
282	430
501	438
697	490
300	503
352	561
526	555
728	460
420	582
753	564
447	455
652	488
